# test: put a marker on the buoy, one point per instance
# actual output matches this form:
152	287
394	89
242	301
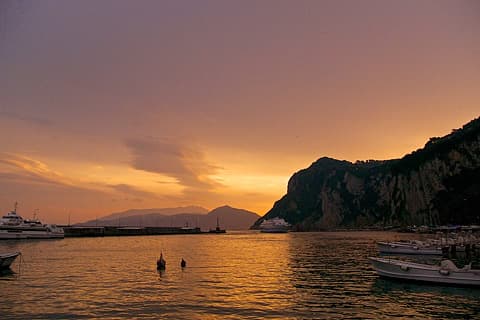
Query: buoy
161	263
183	264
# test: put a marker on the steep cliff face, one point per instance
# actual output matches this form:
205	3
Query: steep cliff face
438	184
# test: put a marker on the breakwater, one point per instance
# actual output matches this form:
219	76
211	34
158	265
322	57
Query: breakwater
72	231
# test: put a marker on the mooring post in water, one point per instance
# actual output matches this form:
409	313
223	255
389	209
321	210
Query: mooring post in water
445	252
453	251
468	251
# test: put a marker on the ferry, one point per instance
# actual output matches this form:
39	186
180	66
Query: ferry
275	225
13	226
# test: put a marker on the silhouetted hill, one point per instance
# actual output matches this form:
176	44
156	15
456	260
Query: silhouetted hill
438	184
161	211
229	218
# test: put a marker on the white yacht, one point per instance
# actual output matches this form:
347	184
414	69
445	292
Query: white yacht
13	226
275	225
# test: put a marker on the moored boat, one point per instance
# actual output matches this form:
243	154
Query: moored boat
408	248
446	273
6	259
13	226
217	229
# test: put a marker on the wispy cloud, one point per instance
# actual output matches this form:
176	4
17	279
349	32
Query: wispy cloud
29	119
24	169
35	181
132	192
36	185
184	163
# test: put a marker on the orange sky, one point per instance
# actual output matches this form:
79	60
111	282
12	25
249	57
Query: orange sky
111	105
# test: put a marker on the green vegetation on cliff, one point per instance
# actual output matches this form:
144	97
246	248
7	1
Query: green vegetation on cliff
438	184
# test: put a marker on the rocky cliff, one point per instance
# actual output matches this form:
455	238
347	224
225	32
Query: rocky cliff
438	184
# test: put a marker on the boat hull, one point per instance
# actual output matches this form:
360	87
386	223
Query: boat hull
7	259
10	233
274	230
400	248
217	231
402	270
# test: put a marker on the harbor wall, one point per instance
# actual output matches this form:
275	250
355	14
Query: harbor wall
125	231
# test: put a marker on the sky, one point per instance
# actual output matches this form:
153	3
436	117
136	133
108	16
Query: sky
111	105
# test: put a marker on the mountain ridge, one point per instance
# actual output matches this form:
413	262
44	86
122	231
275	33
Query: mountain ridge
229	218
164	211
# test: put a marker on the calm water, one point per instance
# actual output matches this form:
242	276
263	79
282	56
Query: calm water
232	276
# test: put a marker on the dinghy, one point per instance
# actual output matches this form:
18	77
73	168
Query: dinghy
6	259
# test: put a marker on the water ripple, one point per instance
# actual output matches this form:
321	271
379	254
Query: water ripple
234	276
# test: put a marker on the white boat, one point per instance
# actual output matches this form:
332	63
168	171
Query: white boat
13	226
275	225
415	247
446	273
6	259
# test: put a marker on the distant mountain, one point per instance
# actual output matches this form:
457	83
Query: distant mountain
229	218
438	184
161	211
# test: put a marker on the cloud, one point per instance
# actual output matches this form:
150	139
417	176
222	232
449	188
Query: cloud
29	119
185	164
23	169
132	192
35	185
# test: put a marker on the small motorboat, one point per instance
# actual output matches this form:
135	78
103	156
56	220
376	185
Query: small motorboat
6	259
446	273
161	263
415	247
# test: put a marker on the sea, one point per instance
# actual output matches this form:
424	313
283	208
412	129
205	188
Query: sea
237	275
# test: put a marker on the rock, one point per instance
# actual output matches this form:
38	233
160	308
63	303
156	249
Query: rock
438	184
